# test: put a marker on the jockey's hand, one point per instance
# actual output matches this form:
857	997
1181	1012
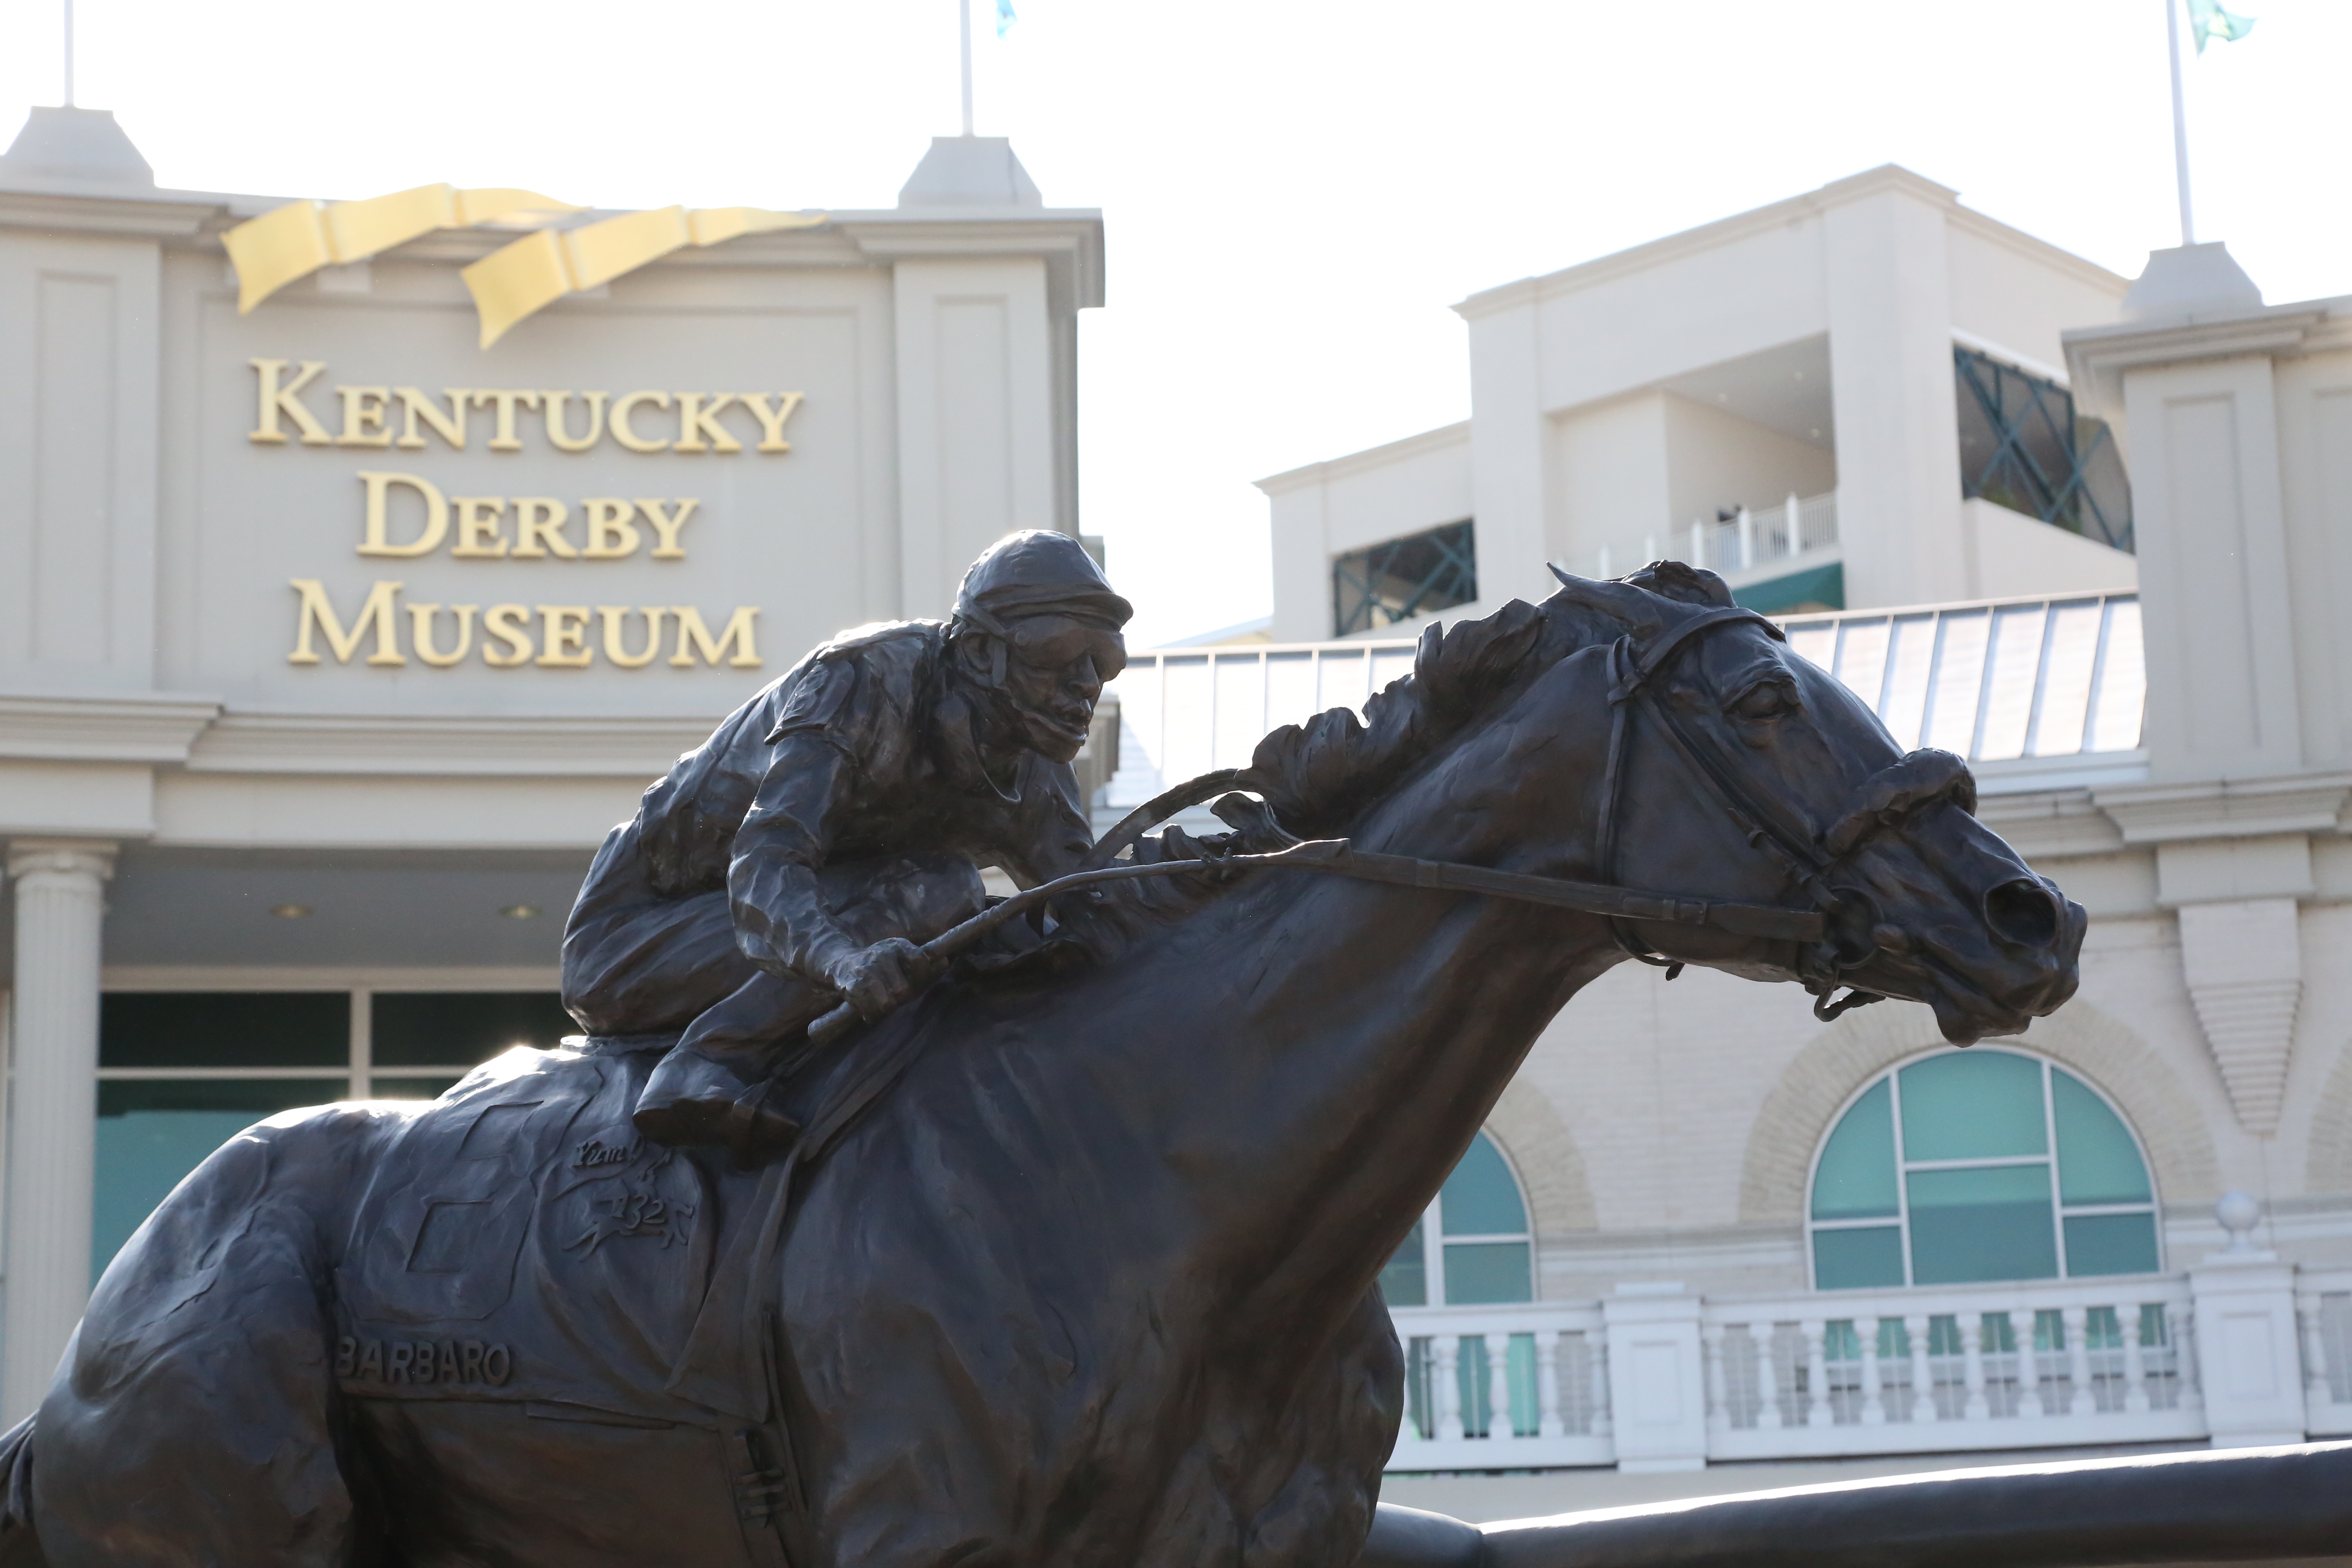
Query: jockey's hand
879	979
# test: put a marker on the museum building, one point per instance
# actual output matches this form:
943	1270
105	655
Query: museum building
332	641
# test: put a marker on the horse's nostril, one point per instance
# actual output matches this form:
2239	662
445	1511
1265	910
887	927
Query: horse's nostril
2024	912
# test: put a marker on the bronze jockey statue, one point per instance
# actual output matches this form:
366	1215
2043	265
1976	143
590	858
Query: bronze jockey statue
834	823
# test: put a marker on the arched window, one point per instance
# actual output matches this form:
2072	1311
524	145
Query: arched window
1982	1164
1472	1247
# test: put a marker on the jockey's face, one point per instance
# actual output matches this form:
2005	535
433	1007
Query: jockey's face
1055	669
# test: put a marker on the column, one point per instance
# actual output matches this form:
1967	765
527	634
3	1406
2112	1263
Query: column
53	1121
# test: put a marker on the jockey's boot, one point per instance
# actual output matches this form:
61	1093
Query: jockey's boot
711	1090
691	1102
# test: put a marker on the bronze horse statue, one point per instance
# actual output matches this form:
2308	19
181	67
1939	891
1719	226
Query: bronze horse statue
1075	1263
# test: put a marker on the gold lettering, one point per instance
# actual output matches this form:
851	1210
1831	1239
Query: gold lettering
498	621
379	522
564	440
563	631
626	436
691	626
695	423
318	611
616	648
277	400
538	528
611	534
363	411
416	405
506	401
420	633
667	525
477	535
772	424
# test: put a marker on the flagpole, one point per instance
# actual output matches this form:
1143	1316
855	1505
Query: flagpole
2180	120
69	70
963	15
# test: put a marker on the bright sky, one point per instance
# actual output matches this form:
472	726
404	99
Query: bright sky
1295	190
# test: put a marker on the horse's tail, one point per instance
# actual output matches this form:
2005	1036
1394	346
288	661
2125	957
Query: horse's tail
20	1545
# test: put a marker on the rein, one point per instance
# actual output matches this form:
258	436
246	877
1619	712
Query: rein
1916	779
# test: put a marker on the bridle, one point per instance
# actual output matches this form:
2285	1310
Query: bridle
1885	798
1810	861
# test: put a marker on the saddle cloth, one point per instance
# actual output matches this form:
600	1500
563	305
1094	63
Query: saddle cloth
518	1241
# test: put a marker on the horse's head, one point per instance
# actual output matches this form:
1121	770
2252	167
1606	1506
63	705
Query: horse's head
1743	772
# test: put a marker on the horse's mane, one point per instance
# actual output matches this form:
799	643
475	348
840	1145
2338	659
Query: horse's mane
1320	777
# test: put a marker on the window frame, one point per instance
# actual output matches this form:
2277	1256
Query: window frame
2060	1210
1433	1239
359	1077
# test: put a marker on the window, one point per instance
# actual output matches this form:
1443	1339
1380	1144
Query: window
1472	1247
1405	578
2023	447
181	1072
1943	1172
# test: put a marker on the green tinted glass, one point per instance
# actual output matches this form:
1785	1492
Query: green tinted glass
1972	1105
1986	1224
2111	1244
149	1135
1480	1198
2097	1163
224	1029
1483	1271
1855	1179
1857	1259
1405	1281
458	1029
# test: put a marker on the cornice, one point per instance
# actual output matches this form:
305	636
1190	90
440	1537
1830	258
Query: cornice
1072	235
446	747
2164	813
1370	458
1711	237
103	729
2099	355
162	215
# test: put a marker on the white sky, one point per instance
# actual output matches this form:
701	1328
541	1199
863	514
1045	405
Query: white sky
1294	190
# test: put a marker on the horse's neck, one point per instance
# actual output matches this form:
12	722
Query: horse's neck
1360	1033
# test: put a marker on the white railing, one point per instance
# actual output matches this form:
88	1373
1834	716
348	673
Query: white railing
1992	680
1751	540
1504	1388
1995	679
2009	1366
2324	1309
2058	1363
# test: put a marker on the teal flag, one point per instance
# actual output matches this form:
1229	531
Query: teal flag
2206	19
1005	20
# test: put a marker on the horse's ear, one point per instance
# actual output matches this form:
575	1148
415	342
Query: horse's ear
1634	609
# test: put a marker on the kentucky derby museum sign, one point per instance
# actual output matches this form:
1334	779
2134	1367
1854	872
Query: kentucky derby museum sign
361	561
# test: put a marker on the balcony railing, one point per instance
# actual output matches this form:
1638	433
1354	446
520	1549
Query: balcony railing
1750	540
1993	682
1653	1380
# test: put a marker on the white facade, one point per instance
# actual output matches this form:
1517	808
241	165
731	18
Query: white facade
257	743
1802	350
2167	735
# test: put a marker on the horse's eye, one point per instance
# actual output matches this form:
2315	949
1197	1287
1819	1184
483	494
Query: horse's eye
1767	699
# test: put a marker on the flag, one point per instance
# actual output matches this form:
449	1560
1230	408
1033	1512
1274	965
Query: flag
1005	20
2206	20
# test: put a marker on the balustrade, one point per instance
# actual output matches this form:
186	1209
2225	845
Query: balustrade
2056	1363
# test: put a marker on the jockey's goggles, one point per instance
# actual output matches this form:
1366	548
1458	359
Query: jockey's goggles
1056	642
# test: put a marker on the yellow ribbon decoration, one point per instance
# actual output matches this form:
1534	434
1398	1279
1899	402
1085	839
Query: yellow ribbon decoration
538	269
296	240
